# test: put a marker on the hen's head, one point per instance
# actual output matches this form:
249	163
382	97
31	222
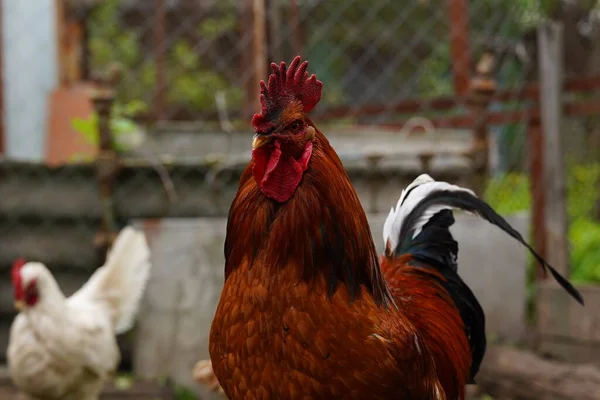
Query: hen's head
284	135
25	283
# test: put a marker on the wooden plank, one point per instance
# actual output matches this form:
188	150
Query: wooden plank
550	39
64	246
41	194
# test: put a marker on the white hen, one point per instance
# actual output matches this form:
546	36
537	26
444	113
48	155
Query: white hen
65	348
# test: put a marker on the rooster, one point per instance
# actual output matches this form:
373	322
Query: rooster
65	348
308	309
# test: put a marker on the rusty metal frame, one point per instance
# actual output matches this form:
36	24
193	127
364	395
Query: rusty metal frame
460	52
448	103
438	104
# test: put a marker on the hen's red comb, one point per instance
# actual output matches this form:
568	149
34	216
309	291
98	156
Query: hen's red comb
285	86
18	263
16	277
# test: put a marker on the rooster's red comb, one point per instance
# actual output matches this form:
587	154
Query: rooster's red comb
285	86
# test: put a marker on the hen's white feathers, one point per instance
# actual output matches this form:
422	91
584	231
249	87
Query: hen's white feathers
120	283
64	348
411	197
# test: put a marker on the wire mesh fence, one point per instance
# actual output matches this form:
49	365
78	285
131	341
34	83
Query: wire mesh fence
190	60
368	53
381	62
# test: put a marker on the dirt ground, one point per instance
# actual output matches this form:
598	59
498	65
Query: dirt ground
9	393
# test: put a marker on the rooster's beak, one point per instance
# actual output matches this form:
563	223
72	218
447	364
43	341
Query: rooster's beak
19	305
259	141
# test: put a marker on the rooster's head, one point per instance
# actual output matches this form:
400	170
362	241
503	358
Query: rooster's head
284	134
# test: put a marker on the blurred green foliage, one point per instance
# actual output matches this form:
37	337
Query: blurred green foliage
121	123
509	193
190	83
182	393
344	40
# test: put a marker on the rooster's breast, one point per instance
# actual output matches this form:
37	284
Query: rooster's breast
277	336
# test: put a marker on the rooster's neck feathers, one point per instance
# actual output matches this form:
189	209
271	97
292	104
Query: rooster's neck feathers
322	229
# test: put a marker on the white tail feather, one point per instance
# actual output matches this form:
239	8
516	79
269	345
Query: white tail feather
120	283
410	197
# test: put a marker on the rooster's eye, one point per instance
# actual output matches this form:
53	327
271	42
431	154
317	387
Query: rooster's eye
295	126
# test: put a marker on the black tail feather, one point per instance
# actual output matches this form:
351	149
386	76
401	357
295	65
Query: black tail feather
435	247
468	202
435	243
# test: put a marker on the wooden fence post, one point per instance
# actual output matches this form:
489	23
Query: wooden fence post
482	88
535	149
550	53
553	317
108	163
255	54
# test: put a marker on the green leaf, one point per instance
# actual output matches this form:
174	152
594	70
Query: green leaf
88	128
211	28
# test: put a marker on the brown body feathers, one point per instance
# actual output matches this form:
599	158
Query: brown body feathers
305	311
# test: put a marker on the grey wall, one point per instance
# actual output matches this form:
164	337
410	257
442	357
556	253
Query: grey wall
30	73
